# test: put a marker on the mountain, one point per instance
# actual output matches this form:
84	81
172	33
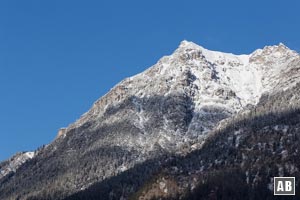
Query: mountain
187	118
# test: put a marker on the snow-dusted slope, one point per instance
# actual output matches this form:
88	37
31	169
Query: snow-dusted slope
218	85
276	66
14	163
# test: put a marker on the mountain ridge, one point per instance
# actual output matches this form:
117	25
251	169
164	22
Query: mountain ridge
170	109
186	48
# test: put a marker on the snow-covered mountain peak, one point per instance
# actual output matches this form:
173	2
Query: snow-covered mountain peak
191	51
173	107
188	44
275	54
215	83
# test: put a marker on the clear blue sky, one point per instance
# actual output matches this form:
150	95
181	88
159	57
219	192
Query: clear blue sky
57	57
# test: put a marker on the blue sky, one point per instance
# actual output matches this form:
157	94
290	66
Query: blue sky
58	57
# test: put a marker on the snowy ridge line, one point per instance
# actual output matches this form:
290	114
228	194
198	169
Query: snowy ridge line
223	79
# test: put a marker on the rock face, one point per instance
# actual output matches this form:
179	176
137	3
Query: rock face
170	109
61	132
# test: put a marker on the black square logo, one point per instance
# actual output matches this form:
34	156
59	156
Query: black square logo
284	185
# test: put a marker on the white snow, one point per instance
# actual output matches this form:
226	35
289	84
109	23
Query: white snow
29	154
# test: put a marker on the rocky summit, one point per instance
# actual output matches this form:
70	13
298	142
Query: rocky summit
176	131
